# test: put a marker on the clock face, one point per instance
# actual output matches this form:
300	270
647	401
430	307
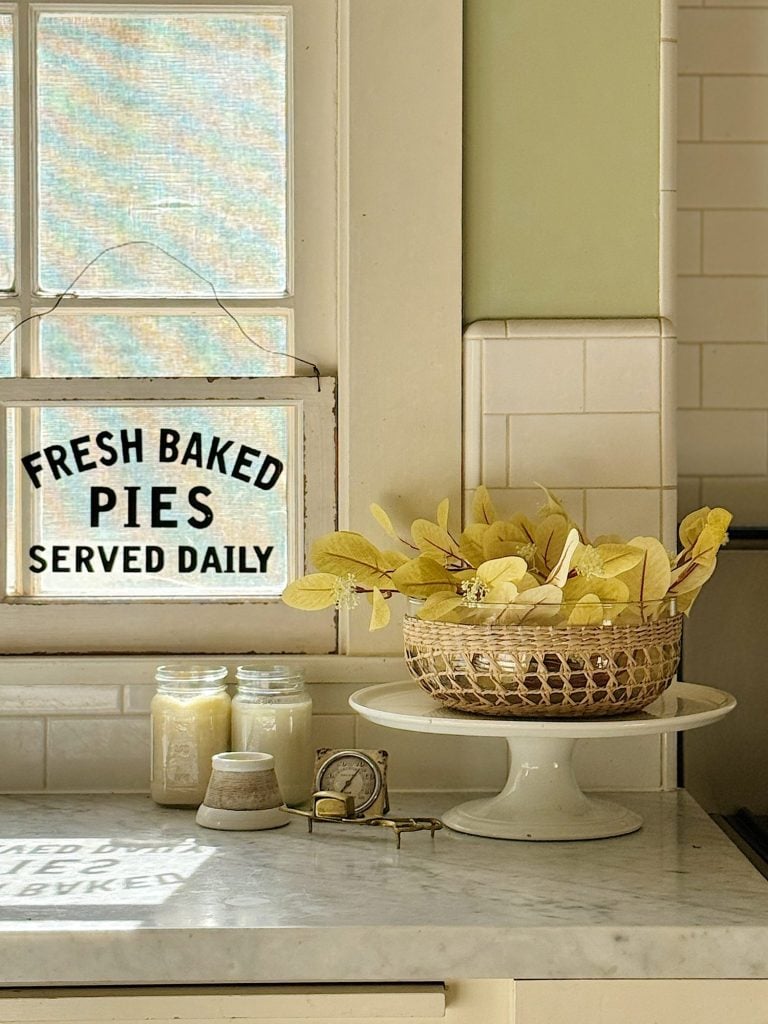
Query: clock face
353	773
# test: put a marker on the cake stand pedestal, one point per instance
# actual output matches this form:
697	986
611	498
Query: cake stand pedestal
542	799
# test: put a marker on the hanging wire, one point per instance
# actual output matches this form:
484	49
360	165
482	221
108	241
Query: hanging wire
152	245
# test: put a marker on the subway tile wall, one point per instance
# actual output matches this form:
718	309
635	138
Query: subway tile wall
585	407
722	308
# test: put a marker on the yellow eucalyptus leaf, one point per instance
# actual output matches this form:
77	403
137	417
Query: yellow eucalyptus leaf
526	526
383	520
692	525
433	540
690	576
442	513
471	543
394	559
588	611
379	610
549	537
608	538
345	552
538	605
562	567
502	570
553	505
712	537
614	593
502	539
421	577
482	506
650	579
440	605
311	593
501	593
528	582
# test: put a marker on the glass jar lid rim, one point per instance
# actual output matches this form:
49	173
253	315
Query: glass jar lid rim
270	678
181	672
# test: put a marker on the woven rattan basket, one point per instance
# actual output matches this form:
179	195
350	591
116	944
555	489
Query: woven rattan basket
542	670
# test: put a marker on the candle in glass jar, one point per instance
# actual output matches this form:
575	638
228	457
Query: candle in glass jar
190	723
272	713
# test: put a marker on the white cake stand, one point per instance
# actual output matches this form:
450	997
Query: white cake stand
542	799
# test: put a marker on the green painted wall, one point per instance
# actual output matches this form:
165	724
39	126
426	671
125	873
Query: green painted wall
562	156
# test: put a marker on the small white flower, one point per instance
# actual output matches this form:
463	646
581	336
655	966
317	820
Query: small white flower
344	592
474	590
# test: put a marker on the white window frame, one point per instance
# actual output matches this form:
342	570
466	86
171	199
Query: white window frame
396	326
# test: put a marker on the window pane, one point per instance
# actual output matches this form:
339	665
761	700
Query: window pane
169	128
200	532
8	347
7	212
128	345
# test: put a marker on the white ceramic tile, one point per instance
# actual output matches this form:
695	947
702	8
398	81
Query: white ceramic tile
688	108
97	755
688	495
729	3
137	697
668	255
688	244
735	242
735	376
544	375
669	412
529	500
486	329
732	42
722	309
472	410
625	327
618	764
688	376
668	116
622	375
427	762
333	698
495	451
628	512
67	699
22	755
668	534
723	175
746	498
590	450
335	731
669	19
722	443
735	108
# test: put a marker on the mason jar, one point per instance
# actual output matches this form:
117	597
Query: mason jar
190	723
272	713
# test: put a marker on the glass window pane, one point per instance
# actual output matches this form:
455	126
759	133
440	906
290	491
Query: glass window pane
8	347
168	128
157	522
7	190
169	345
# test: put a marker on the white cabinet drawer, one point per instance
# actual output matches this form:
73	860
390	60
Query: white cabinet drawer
261	1004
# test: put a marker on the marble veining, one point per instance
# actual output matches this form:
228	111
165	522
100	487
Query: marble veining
114	890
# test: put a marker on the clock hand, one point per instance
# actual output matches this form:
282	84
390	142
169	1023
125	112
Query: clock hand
349	781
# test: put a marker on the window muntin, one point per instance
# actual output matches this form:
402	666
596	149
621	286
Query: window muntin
183	116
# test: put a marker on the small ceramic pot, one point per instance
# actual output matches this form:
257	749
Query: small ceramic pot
242	794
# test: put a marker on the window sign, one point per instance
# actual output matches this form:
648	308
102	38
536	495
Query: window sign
160	501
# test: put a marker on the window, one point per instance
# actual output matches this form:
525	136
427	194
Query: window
166	467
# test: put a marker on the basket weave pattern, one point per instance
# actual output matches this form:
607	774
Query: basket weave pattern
543	671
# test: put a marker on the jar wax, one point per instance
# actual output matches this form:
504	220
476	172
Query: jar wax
186	732
285	731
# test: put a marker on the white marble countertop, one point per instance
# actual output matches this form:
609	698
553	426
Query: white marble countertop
113	890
